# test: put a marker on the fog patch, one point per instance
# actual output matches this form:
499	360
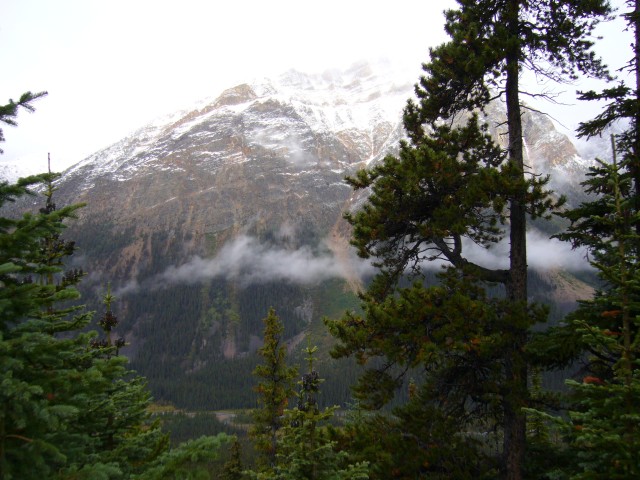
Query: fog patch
132	286
284	142
543	253
247	261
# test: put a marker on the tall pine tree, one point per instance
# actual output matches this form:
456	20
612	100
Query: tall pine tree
36	365
605	405
455	183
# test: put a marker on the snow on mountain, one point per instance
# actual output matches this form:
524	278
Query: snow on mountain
361	106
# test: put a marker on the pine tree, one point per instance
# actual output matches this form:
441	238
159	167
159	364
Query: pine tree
454	182
603	407
114	400
55	387
118	407
39	366
274	389
233	469
69	407
621	109
305	450
191	460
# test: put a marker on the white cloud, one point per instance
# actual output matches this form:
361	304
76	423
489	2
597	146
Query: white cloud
248	261
543	253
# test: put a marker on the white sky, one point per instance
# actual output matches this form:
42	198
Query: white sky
112	66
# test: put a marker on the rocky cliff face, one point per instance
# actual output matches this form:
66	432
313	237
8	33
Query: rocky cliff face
203	220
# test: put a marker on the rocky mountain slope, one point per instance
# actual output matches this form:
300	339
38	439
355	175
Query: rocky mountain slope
205	219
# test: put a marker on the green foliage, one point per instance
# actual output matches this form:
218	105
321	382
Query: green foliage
604	428
417	441
41	397
452	337
188	426
452	330
274	388
68	405
497	40
429	440
603	425
192	460
305	449
606	423
455	183
233	467
428	194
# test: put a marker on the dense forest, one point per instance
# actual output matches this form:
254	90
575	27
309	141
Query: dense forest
446	375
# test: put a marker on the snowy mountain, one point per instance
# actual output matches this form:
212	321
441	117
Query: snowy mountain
203	220
289	116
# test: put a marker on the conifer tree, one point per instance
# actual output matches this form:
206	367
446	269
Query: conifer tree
621	109
455	183
274	389
603	406
233	469
67	409
191	460
118	406
305	450
57	390
39	367
606	404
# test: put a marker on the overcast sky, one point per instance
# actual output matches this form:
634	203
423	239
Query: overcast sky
110	67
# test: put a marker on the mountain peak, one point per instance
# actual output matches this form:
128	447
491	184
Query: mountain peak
233	96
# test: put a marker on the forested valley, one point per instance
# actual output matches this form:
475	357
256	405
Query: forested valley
464	371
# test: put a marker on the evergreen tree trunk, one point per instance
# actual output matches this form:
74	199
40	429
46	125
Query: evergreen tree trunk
634	23
515	364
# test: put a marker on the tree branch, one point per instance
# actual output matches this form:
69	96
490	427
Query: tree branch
458	261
